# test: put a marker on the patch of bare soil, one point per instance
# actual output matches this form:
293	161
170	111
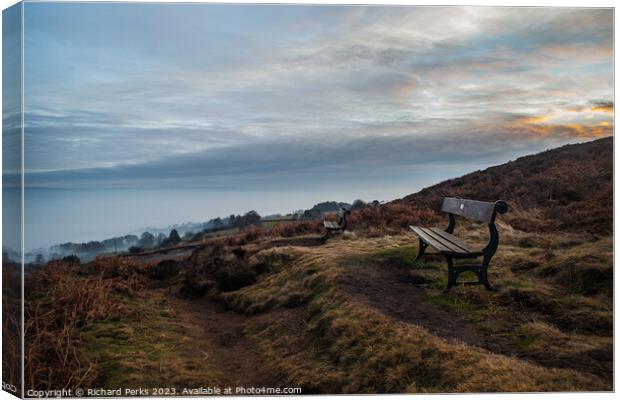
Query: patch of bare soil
220	334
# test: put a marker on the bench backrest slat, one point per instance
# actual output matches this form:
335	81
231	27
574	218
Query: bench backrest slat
482	211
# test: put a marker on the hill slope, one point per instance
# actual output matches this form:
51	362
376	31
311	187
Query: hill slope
567	188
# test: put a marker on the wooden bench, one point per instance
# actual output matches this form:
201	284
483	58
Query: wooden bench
451	247
340	225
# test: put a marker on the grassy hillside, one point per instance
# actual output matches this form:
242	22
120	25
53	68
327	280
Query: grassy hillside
569	188
283	307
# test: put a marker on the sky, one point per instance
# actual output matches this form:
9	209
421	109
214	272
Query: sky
276	97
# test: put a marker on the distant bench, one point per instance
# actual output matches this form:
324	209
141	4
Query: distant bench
340	225
452	247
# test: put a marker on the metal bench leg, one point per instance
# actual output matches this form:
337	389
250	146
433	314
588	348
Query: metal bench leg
421	249
483	272
452	273
327	235
484	279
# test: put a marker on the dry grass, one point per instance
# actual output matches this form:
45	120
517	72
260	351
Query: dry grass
102	324
11	324
389	218
347	347
59	304
362	351
148	348
291	283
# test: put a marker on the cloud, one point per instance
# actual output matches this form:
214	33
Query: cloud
603	106
551	127
572	131
271	164
156	87
594	106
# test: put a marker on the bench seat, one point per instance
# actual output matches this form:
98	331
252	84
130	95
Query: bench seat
331	225
444	242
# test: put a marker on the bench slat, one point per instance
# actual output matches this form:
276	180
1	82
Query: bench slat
431	241
446	242
454	239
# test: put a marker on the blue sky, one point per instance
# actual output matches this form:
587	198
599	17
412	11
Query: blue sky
232	96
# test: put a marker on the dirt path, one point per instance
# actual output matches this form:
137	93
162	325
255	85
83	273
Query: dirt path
220	335
390	289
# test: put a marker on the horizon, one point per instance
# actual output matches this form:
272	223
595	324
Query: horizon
174	225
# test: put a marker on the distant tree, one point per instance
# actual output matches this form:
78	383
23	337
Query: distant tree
358	204
146	240
129	240
188	235
159	240
313	213
217	223
319	209
39	259
250	218
91	247
329	206
174	237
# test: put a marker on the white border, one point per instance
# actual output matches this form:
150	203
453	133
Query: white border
507	3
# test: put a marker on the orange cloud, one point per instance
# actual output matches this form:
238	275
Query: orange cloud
579	130
595	106
603	106
588	131
535	128
536	120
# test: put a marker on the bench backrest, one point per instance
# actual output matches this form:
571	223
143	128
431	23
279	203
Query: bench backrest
482	211
343	213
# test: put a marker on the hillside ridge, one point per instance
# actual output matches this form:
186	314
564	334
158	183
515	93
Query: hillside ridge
566	188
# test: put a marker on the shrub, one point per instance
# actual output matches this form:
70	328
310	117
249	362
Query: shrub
218	267
396	215
295	228
72	259
135	250
165	270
